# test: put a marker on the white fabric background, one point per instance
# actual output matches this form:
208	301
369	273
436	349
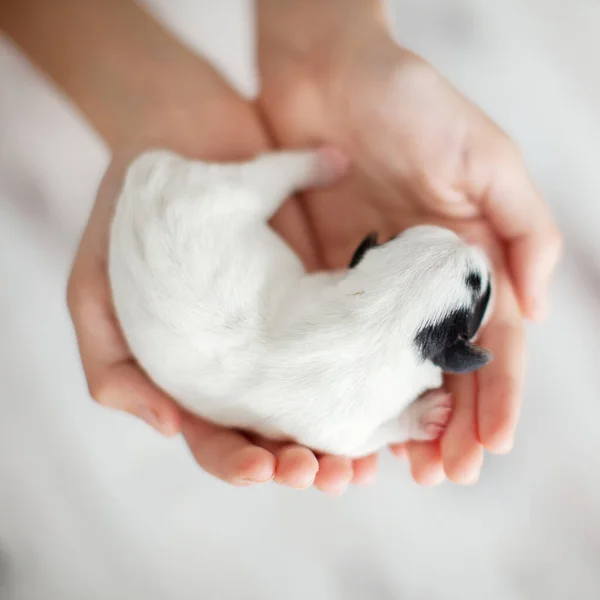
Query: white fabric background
93	505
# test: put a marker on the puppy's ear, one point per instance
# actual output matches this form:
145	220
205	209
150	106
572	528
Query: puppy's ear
369	242
462	357
446	344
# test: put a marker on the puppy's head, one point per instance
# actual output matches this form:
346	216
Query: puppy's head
434	286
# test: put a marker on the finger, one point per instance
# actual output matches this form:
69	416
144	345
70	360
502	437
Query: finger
523	220
365	470
335	473
500	384
399	450
227	454
426	463
462	454
297	466
114	379
532	262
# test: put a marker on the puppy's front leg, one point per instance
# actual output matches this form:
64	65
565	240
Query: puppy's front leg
425	419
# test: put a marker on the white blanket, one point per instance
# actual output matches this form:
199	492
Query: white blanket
94	505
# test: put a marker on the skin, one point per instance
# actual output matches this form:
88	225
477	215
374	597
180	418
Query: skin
421	153
140	88
425	155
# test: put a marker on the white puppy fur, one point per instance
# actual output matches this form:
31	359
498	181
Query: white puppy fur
221	314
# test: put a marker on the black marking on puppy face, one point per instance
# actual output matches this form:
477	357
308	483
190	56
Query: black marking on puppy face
473	281
447	343
369	242
479	311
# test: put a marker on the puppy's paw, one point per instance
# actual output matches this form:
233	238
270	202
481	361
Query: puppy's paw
428	415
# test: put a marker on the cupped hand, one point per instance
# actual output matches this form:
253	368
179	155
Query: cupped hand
208	121
421	153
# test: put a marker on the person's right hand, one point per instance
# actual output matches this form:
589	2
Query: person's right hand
332	73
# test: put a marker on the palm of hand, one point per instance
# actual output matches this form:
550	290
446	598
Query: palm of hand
420	153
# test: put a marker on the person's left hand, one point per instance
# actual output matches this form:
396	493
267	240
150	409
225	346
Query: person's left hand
421	152
202	117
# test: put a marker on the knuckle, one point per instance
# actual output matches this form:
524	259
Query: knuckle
99	390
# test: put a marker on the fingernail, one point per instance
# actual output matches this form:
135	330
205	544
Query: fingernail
300	484
149	417
254	480
506	447
337	491
246	482
262	474
472	478
366	481
400	453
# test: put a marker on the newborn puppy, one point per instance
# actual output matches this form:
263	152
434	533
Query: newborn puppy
221	314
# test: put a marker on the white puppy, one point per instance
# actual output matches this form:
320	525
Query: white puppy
221	314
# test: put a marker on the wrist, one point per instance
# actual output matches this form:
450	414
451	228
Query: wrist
197	114
311	53
300	40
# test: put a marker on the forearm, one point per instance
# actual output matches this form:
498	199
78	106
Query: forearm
110	57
